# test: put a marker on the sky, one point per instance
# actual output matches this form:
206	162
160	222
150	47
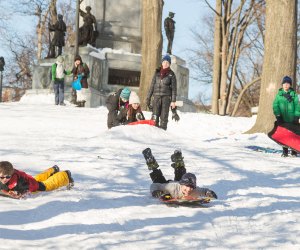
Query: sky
188	15
110	206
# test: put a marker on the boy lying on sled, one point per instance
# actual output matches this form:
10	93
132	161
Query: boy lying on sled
184	185
16	184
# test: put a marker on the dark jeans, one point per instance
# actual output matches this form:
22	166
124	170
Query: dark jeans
59	90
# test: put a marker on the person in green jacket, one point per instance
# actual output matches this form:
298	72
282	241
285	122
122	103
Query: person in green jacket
286	107
57	76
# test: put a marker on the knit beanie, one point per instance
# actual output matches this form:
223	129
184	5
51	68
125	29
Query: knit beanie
287	79
166	58
125	93
189	179
134	98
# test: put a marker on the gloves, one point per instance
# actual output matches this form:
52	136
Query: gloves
175	116
166	197
296	120
139	117
157	193
279	119
150	107
211	194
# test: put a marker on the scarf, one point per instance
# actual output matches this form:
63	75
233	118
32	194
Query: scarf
164	72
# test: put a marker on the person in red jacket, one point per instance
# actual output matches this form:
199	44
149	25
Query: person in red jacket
16	184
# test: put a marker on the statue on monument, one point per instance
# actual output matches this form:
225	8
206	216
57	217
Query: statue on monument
169	24
88	31
59	29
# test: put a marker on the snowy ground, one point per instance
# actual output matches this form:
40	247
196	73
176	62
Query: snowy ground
110	206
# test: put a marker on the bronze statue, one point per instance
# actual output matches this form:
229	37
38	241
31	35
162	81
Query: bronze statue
58	40
169	24
88	31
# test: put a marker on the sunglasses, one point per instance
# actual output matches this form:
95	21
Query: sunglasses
5	177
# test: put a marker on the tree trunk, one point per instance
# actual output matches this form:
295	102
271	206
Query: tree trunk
151	44
279	58
217	59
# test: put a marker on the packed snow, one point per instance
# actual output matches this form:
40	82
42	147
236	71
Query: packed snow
110	206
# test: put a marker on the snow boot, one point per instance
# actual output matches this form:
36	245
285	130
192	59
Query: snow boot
178	165
71	180
294	153
285	152
150	160
46	174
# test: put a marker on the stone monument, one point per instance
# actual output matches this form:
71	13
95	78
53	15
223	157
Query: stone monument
115	61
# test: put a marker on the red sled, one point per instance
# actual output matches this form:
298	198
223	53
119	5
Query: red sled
287	135
148	122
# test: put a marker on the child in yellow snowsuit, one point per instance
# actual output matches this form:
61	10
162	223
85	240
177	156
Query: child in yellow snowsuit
15	183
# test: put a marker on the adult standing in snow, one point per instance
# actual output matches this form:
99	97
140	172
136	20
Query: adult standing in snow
57	75
286	107
163	88
134	112
80	69
116	103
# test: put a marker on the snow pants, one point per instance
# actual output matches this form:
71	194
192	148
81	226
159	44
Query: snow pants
157	176
52	180
161	107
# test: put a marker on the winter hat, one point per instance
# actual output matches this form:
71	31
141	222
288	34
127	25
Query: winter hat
60	59
125	93
188	179
287	79
166	58
78	57
134	98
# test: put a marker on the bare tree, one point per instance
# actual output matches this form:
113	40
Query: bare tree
279	58
236	57
151	44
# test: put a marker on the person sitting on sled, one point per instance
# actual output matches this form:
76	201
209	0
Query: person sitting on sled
134	112
16	184
286	107
115	103
184	184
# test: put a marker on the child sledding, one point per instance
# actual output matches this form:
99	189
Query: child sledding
184	185
16	184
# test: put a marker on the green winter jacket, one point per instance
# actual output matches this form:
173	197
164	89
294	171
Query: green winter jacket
53	72
286	105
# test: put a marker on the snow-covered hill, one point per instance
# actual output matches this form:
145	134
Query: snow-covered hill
110	206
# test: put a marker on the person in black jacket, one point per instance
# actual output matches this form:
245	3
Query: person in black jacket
163	88
115	103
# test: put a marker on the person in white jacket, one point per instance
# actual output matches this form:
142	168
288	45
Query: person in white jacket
184	184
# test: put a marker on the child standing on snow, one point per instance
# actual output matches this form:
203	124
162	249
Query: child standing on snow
286	107
134	112
184	184
16	184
